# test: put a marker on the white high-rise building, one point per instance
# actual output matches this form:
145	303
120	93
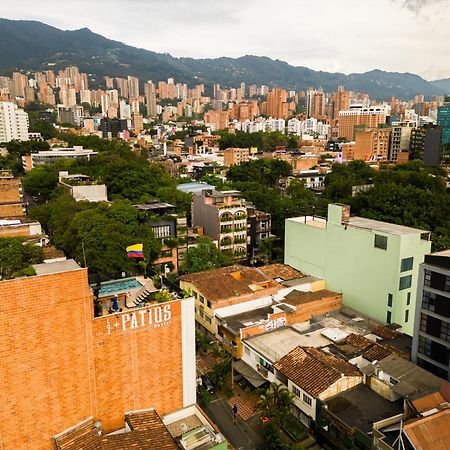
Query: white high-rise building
13	123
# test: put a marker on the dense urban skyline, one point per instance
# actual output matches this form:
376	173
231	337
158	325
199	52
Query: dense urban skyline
388	41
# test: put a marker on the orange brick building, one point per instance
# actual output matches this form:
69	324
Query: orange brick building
370	117
11	198
372	144
60	365
219	120
233	156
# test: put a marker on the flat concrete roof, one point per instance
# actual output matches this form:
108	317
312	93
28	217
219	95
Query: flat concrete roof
318	222
246	319
361	222
275	344
55	267
385	227
360	407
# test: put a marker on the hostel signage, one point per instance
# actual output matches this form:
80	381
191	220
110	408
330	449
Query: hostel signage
156	316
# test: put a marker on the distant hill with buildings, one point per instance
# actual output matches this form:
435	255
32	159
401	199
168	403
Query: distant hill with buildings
31	45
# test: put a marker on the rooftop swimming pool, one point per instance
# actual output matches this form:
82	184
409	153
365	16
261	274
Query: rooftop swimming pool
119	286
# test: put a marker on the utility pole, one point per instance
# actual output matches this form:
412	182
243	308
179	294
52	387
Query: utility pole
232	346
84	254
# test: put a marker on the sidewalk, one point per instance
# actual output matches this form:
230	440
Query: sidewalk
245	401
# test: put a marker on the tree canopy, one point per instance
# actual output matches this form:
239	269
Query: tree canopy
204	256
17	256
97	233
408	194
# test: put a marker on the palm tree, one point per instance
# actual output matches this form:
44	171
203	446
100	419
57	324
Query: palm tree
276	402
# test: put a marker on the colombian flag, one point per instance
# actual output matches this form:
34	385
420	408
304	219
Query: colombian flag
135	251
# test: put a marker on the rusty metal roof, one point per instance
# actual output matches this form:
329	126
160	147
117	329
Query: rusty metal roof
430	433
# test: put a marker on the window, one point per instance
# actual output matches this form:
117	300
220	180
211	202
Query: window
202	299
380	242
208	303
408	298
406	315
405	282
307	399
162	231
393	381
437	281
445	331
389	300
297	391
389	317
406	264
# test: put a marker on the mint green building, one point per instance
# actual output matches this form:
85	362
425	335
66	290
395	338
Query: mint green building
374	264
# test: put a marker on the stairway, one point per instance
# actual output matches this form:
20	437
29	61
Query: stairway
140	295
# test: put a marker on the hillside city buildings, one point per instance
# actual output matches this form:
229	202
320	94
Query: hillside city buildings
353	321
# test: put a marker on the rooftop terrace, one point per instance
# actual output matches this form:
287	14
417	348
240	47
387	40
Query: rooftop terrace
360	407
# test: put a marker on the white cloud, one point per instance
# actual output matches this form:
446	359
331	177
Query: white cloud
346	35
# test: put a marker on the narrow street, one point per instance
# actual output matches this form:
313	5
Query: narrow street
242	434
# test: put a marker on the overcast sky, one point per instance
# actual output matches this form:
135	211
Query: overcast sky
330	35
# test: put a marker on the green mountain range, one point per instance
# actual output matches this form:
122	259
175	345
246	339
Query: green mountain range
30	45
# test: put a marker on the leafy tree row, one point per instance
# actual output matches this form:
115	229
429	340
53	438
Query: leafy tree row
264	141
97	234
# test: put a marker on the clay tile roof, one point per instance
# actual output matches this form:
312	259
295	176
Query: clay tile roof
385	332
81	437
428	402
299	297
376	353
430	433
282	271
148	432
150	429
358	341
228	282
314	370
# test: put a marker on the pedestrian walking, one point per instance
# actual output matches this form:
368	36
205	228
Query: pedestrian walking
235	411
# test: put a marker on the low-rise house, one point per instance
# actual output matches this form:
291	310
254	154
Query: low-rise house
228	287
83	188
237	289
146	430
296	307
394	377
348	418
351	339
313	375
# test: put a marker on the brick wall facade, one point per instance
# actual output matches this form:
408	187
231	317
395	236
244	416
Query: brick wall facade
10	190
14	231
59	365
11	210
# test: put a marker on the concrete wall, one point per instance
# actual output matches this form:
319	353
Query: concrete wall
348	261
206	216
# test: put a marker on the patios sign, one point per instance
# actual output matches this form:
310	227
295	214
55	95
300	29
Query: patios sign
153	317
